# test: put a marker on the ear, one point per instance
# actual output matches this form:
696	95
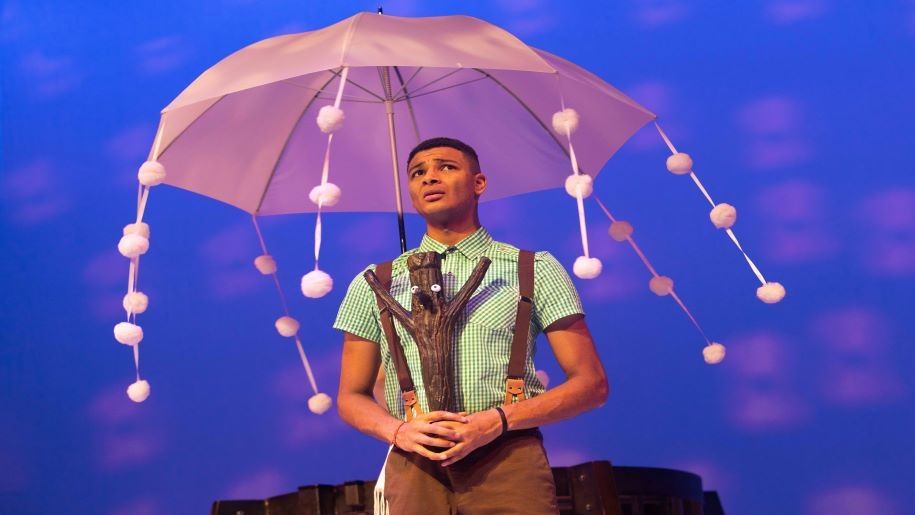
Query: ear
479	183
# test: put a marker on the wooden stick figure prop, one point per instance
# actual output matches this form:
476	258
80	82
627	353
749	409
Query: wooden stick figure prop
432	321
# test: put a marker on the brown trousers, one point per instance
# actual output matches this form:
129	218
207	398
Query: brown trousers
507	476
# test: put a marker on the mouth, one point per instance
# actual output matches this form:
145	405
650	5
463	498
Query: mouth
433	195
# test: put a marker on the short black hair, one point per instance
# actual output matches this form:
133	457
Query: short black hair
469	153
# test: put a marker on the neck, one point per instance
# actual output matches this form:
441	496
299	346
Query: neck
450	234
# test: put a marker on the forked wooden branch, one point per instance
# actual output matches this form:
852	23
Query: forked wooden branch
432	321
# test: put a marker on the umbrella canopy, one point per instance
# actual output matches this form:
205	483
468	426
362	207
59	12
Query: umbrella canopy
244	132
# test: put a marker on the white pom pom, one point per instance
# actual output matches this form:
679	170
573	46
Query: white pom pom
544	378
565	121
661	285
330	119
135	302
770	293
265	264
587	267
328	194
128	334
619	231
680	164
319	403
151	173
713	354
138	391
141	228
133	245
723	216
287	326
316	284
579	182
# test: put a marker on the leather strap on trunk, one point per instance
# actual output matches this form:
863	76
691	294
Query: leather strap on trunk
408	391
514	385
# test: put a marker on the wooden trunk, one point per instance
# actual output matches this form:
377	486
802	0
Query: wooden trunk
432	320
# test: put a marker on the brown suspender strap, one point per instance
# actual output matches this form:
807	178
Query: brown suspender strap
514	385
408	391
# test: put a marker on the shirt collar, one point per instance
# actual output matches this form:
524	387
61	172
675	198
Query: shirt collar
471	247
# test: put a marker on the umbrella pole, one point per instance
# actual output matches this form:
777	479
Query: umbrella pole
389	109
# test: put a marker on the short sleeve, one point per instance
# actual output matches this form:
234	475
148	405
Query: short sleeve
555	296
358	314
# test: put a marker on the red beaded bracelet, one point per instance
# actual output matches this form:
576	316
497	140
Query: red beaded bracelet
394	438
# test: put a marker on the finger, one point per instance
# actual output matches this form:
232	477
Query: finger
420	434
432	455
442	431
430	441
446	415
452	456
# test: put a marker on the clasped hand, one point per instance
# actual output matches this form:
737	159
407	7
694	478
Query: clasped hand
448	437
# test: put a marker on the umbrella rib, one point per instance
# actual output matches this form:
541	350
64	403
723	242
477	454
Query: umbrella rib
408	100
364	88
188	126
418	92
282	151
529	111
319	94
348	81
403	85
469	81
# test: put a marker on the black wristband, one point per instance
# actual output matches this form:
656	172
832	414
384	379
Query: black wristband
504	420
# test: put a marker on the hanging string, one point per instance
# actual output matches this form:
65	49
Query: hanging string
582	227
750	262
318	235
325	169
654	273
308	372
153	156
133	270
136	359
150	174
573	160
276	280
282	295
142	201
131	283
708	197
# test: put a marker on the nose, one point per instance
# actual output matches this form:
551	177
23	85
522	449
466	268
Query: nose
431	177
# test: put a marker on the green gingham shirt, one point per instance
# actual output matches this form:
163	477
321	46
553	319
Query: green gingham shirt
484	330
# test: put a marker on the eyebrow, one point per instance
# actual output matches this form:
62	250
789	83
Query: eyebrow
437	160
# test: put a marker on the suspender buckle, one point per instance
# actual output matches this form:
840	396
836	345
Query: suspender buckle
410	405
514	390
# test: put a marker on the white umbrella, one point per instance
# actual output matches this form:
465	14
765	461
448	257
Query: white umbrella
244	131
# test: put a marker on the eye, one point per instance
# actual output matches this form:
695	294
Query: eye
414	289
436	288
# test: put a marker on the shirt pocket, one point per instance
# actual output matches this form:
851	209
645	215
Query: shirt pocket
494	306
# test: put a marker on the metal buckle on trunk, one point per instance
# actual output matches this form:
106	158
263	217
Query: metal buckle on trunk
410	405
514	390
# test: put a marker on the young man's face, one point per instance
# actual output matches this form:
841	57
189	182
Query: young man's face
443	186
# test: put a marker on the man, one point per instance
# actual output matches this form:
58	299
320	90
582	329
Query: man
465	461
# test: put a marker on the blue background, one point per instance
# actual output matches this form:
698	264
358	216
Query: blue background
798	112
